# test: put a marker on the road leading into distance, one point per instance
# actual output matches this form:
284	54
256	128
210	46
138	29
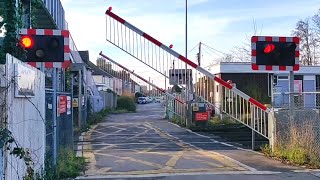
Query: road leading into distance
143	145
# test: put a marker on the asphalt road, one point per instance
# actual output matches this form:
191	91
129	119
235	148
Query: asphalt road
143	145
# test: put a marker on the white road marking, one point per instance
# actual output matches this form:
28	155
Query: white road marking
316	174
307	170
182	174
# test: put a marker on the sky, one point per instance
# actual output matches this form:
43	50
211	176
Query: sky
219	24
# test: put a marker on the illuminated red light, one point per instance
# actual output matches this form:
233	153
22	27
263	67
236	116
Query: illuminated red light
269	48
26	42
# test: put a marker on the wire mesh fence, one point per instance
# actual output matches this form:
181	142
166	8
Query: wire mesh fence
301	100
64	124
298	131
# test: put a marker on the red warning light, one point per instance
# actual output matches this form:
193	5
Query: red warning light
269	48
26	42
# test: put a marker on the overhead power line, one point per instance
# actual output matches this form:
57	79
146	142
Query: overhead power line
215	49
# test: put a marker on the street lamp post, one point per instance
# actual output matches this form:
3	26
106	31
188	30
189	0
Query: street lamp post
186	69
186	28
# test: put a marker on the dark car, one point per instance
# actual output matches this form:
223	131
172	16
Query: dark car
142	100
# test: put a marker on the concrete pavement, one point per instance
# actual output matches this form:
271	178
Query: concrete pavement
142	145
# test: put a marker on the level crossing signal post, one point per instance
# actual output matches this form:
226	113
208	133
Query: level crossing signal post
270	53
47	48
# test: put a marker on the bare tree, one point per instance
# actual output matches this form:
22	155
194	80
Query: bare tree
316	22
242	53
309	42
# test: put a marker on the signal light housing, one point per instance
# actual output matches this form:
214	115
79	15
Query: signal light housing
275	53
43	48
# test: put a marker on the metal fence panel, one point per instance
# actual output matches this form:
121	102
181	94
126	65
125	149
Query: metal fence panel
300	129
49	126
64	127
109	99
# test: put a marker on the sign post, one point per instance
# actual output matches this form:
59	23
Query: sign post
270	53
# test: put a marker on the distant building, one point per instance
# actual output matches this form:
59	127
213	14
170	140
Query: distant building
117	86
144	89
102	79
137	88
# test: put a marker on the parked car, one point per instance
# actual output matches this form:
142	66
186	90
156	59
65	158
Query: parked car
157	100
149	99
142	100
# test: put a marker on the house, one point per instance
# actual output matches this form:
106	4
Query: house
137	87
102	79
144	89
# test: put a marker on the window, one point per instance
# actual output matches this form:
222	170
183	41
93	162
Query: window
283	77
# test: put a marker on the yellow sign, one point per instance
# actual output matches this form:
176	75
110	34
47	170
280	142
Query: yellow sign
75	102
195	107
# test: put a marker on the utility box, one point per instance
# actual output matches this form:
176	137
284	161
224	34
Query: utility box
199	113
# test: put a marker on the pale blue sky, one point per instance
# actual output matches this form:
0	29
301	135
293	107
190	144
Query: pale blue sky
221	24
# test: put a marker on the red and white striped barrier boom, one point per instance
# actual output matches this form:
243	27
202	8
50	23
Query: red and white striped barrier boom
187	61
133	73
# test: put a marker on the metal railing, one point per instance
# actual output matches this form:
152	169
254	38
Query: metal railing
185	73
301	100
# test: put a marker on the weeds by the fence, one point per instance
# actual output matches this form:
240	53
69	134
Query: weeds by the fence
68	166
179	121
216	121
120	111
95	118
300	145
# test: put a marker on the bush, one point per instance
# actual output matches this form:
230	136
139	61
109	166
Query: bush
126	103
95	118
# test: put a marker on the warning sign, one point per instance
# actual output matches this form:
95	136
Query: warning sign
201	116
298	86
75	102
195	107
62	104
